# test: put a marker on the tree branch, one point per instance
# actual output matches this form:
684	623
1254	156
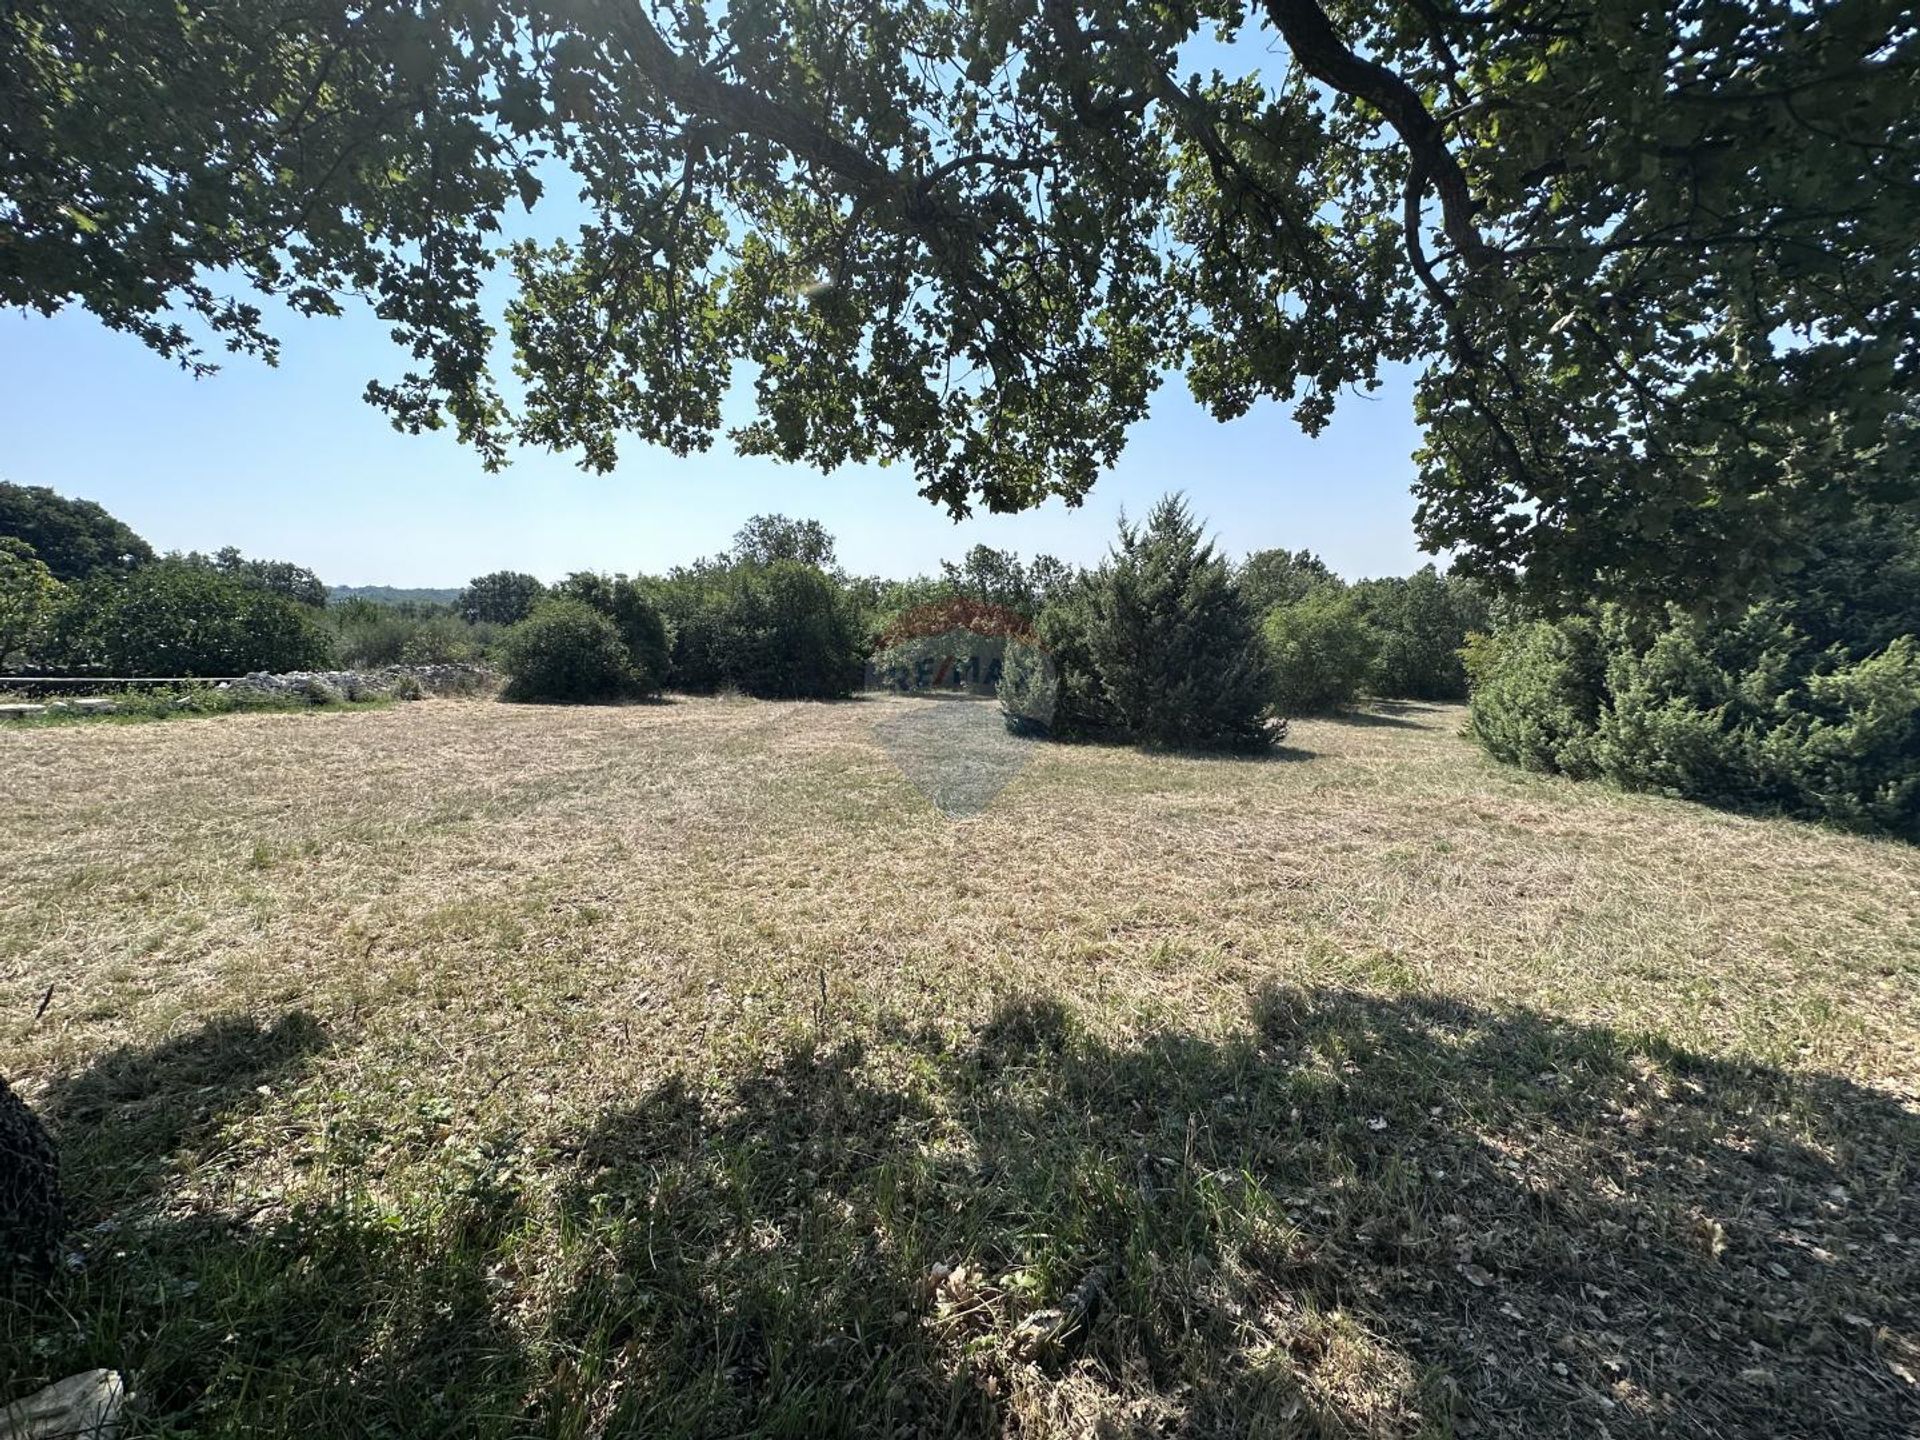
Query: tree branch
1325	56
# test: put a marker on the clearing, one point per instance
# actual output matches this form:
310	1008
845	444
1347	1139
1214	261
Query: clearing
470	1069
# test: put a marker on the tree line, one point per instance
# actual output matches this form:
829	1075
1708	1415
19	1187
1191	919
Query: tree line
1805	701
775	615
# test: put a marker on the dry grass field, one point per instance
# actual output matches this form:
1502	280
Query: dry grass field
467	1069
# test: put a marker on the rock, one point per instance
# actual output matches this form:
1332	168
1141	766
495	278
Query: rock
32	1215
87	1406
1043	1330
398	682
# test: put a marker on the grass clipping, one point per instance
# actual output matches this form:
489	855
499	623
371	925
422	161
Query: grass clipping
471	1069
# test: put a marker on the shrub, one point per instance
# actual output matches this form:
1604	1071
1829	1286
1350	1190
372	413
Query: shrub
1029	689
169	702
955	661
1537	695
1749	712
175	618
1320	651
316	691
633	611
567	652
1080	708
33	1218
1854	753
1178	659
688	600
1422	621
369	635
956	643
785	631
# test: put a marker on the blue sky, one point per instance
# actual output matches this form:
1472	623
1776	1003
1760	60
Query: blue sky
290	463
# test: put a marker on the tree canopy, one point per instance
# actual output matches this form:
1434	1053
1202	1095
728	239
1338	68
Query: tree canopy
282	577
72	538
503	597
28	593
1654	262
765	539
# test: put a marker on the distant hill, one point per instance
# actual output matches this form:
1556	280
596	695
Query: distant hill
392	595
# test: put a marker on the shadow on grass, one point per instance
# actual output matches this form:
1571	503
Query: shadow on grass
1359	1215
256	1316
122	1119
1278	754
1347	1215
1373	716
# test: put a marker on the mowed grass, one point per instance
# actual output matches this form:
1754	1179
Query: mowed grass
468	1069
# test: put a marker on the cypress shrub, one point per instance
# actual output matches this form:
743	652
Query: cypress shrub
1179	660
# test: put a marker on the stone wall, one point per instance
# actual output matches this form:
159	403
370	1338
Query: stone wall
401	682
392	682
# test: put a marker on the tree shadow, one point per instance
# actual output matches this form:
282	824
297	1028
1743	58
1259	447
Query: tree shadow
1372	717
1279	753
1343	1215
135	1108
1358	1215
237	1312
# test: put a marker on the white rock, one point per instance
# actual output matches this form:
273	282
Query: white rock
87	1406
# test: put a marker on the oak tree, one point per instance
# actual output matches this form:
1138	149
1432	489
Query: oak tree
1654	261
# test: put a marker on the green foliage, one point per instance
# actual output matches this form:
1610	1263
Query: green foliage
176	618
1170	655
954	644
1029	690
296	582
392	595
567	652
632	609
688	600
1537	694
998	577
173	702
1422	621
1065	628
28	595
1753	711
505	597
1659	301
1267	578
72	538
784	631
984	576
1853	754
767	538
1321	651
369	634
